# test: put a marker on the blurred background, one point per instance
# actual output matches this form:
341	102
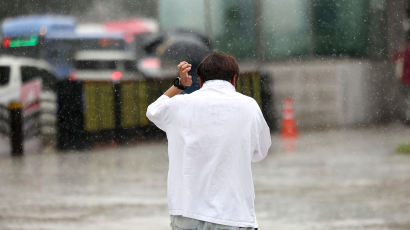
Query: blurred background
333	58
77	76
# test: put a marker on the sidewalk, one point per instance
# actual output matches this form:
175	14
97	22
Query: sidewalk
337	179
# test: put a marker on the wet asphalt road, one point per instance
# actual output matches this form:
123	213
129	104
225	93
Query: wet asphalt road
339	179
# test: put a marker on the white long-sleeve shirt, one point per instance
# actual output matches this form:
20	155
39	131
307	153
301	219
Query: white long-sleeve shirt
213	136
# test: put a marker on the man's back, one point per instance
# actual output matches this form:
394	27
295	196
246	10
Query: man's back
213	136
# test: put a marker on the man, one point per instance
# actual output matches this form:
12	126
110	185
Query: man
213	136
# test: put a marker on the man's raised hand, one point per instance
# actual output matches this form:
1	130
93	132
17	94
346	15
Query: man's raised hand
183	68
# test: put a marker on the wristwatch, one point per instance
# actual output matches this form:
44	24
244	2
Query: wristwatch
177	83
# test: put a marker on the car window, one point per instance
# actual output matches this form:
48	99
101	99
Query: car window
29	73
95	65
4	75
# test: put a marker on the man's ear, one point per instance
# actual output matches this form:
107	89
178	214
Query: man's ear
235	77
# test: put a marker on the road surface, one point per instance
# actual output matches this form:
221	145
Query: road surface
336	179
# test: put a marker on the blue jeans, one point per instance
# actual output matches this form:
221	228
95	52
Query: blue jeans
185	223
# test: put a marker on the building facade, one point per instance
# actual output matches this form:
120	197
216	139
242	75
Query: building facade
332	57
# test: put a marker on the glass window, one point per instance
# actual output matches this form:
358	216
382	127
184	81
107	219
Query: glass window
92	44
291	28
182	14
95	65
230	24
286	26
29	73
377	42
340	27
237	37
59	52
4	75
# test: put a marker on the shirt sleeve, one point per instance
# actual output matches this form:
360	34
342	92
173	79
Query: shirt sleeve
263	139
158	112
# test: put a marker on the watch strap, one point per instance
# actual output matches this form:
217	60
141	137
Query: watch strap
177	83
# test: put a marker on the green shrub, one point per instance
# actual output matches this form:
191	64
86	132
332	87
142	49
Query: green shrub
403	148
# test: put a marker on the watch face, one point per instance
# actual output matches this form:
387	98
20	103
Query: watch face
177	84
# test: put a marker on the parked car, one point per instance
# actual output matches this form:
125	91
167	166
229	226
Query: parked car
18	82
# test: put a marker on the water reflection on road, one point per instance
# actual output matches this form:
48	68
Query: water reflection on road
340	179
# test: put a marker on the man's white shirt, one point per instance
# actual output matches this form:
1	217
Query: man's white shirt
213	136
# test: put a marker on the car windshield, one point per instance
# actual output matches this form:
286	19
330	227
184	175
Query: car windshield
4	75
95	65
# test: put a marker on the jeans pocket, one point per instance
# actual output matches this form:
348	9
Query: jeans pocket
223	227
184	223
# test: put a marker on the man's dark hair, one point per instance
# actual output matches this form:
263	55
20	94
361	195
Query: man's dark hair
218	66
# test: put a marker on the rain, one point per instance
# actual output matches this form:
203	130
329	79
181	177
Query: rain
332	79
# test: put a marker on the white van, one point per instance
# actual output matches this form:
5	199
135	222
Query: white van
105	65
18	72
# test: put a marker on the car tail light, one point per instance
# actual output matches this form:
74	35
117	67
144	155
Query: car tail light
72	76
105	42
116	76
151	63
6	42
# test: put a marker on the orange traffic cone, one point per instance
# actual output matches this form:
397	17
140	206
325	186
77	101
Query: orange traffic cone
289	129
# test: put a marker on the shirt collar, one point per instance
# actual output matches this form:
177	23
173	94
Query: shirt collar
218	84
